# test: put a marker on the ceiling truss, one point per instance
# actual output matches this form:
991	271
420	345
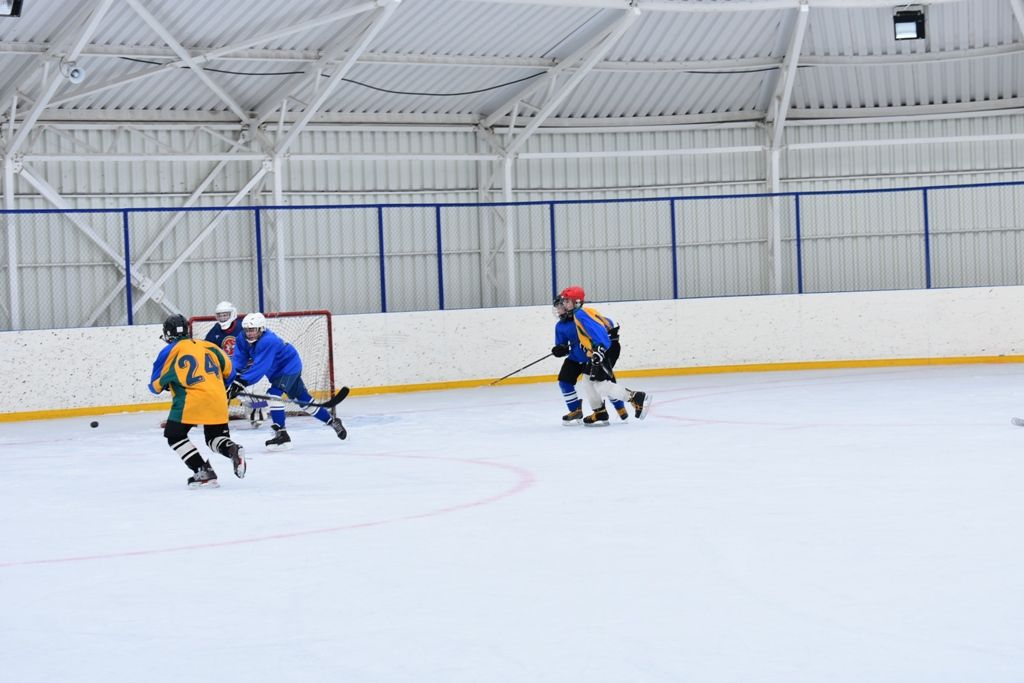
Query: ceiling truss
265	136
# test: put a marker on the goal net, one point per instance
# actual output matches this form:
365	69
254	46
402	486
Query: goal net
308	331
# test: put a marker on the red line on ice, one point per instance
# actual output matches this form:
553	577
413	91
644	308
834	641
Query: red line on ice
524	480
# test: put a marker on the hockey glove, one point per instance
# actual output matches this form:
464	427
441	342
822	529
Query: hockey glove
237	387
599	371
560	350
613	333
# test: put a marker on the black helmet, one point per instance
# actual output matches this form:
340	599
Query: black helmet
175	328
563	308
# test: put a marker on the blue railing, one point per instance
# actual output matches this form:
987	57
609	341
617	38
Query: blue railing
400	257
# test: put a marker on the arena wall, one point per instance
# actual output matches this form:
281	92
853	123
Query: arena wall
54	373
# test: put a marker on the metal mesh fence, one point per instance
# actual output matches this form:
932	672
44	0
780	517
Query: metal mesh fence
976	237
71	266
77	260
411	266
524	229
465	240
191	260
322	258
724	245
862	241
622	251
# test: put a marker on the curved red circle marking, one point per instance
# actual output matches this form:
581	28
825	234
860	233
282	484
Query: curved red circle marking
524	480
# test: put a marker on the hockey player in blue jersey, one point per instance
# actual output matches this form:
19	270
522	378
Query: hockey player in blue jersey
225	334
592	335
228	328
576	363
263	354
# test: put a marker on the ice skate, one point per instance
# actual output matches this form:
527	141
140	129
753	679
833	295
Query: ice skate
598	418
623	413
641	401
573	417
280	441
338	428
203	478
237	455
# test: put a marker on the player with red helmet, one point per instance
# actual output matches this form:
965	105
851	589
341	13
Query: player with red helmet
576	362
594	340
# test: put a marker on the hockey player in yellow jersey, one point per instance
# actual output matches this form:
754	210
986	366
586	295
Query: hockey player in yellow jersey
195	372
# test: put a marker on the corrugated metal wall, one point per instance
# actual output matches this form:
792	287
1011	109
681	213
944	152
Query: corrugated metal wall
322	258
896	164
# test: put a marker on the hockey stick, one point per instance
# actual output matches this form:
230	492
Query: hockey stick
333	401
520	369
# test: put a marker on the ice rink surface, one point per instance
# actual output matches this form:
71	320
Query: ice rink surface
821	526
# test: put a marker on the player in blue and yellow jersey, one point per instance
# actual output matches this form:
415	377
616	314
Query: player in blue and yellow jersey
576	363
261	353
595	341
195	372
225	334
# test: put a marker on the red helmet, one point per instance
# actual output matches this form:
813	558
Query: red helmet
567	301
573	293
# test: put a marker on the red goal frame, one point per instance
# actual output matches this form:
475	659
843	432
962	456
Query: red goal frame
276	315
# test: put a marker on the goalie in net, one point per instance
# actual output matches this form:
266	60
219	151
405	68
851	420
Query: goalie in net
308	331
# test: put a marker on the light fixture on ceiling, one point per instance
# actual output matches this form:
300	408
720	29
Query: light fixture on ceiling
908	22
10	8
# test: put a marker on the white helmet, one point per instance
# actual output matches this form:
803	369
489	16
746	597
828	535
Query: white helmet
254	321
226	314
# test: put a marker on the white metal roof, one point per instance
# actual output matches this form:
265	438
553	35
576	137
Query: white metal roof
440	61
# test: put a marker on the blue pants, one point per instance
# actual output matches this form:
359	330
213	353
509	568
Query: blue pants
295	388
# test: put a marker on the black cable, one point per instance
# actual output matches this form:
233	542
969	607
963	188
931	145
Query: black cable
354	82
222	71
742	71
571	33
428	94
445	94
252	73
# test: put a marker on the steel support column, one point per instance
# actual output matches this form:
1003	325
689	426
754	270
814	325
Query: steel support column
510	233
776	118
13	284
279	241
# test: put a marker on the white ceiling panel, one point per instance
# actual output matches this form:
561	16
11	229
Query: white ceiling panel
462	59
